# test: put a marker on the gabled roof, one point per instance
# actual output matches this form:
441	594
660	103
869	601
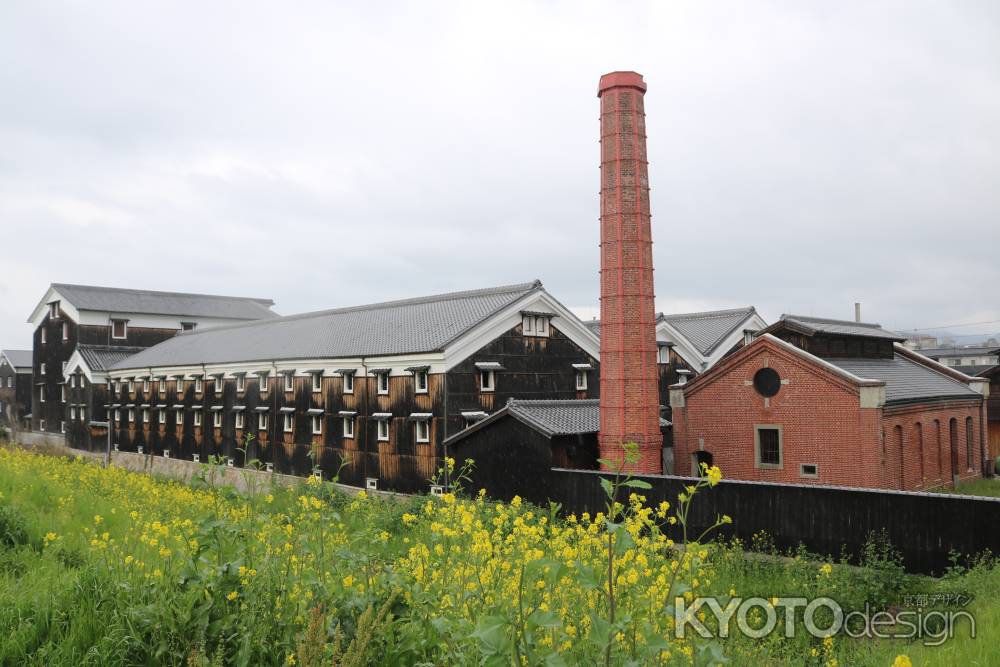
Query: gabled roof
18	358
548	417
936	352
100	358
820	325
425	324
707	330
906	380
121	300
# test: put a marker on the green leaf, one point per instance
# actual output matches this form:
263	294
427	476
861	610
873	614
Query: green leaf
638	484
608	487
491	631
543	619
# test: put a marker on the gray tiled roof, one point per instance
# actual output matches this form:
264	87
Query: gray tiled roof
594	326
841	327
905	380
103	357
973	370
937	352
559	417
707	330
119	300
19	358
424	324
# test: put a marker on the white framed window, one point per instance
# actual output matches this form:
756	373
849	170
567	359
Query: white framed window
64	368
317	424
128	386
420	382
43	336
317	382
41	394
768	446
239	419
145	415
241	382
119	329
383	382
72	381
54	309
262	383
131	415
83	413
217	419
62	393
180	386
289	383
810	470
663	354
161	385
287	422
62	427
41	424
10	381
383	430
581	380
535	325
217	385
262	421
113	386
163	416
197	417
348	423
145	385
199	385
188	326
72	413
179	417
348	383
65	330
487	380
423	430
41	369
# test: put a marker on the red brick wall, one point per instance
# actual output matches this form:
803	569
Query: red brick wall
822	422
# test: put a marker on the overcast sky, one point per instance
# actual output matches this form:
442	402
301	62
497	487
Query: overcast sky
803	156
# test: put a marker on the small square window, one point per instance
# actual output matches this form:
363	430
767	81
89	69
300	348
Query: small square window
239	419
348	383
581	380
383	430
383	382
262	421
188	326
217	419
663	354
317	382
289	382
423	428
808	470
535	325
119	329
348	427
287	422
197	417
420	381
487	380
317	424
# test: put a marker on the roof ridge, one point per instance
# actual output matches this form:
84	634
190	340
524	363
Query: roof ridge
530	402
830	320
259	300
710	313
446	296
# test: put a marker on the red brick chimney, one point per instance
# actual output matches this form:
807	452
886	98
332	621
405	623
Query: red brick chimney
630	405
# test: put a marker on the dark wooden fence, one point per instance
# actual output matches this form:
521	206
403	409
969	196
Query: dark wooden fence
926	528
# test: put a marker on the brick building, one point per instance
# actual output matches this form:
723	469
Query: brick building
831	402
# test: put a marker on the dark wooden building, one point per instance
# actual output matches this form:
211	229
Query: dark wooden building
380	386
72	315
15	387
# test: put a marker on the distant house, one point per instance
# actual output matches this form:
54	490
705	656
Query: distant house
15	387
823	401
69	316
380	386
992	374
968	360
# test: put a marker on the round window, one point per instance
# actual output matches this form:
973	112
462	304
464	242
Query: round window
767	382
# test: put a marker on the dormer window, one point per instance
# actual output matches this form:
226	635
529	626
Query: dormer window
54	310
119	329
535	324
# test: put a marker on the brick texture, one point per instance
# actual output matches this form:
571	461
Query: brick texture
629	374
822	423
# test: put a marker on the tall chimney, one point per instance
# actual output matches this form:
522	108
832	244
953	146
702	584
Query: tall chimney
630	405
857	311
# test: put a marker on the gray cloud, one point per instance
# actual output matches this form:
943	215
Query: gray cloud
803	156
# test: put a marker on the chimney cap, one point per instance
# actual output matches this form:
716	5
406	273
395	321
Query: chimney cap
621	80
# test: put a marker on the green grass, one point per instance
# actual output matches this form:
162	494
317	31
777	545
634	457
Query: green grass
989	486
324	565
